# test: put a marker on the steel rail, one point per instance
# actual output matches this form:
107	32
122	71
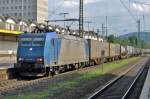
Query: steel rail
97	93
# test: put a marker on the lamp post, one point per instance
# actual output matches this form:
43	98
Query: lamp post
81	18
88	23
47	22
139	31
22	15
64	14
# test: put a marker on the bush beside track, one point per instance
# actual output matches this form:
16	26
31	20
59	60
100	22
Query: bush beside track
55	89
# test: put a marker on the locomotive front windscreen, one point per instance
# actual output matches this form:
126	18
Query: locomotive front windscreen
28	41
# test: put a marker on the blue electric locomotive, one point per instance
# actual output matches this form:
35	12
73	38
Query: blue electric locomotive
44	53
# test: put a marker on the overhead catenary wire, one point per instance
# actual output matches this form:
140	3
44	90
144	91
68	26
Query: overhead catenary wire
129	11
144	3
54	12
111	16
136	20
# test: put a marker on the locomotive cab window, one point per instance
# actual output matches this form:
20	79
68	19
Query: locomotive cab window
38	41
26	41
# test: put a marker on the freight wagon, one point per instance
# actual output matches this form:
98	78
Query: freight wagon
111	51
96	48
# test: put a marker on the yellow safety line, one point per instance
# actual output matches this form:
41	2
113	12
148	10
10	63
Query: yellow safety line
10	32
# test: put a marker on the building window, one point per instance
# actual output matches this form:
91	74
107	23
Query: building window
11	8
24	7
7	15
20	7
3	8
24	14
29	14
7	1
15	14
16	7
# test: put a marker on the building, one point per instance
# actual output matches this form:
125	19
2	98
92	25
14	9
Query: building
33	10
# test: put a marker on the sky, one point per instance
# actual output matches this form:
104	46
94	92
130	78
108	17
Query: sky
121	17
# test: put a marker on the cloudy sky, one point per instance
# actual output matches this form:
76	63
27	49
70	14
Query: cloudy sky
120	21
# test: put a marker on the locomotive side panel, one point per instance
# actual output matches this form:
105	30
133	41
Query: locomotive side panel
72	51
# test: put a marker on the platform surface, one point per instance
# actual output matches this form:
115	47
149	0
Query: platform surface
7	62
146	89
6	65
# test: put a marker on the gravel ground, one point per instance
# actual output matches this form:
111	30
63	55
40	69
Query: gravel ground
81	91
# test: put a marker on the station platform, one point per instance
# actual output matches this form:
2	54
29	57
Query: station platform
146	89
7	67
7	71
7	62
8	48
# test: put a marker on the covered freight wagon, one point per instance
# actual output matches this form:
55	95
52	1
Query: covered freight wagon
115	51
96	48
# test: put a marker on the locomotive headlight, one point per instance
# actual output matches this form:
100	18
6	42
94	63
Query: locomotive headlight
39	60
21	59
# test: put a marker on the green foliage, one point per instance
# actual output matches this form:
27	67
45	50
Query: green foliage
111	39
130	41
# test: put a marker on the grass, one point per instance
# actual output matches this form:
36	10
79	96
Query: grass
58	88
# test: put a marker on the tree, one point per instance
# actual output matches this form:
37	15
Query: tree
133	41
111	39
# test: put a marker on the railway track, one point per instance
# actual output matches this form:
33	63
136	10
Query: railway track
8	85
14	84
123	86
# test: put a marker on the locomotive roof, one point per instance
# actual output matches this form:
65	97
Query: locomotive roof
33	34
58	35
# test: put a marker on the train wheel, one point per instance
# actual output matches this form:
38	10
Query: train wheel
52	73
47	74
76	66
57	72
